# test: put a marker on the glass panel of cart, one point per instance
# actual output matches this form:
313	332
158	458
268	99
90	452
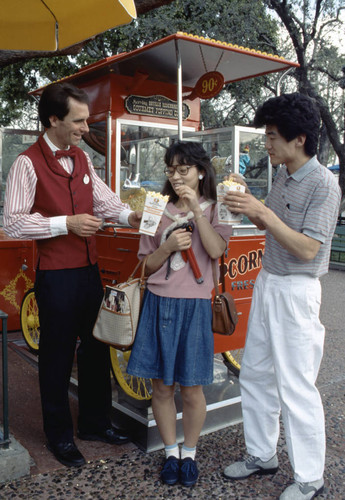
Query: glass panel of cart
240	150
141	159
94	143
12	143
140	149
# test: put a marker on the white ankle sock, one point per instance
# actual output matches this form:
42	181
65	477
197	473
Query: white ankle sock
188	452
172	451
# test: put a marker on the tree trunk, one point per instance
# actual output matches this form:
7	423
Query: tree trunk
324	146
332	131
342	170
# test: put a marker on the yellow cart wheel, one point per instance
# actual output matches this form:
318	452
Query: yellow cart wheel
29	321
136	387
232	360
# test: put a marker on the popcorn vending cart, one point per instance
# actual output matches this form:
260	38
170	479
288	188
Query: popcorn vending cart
140	102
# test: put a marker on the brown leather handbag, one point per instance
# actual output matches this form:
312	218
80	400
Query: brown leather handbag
224	313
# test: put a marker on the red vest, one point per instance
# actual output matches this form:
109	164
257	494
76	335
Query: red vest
59	193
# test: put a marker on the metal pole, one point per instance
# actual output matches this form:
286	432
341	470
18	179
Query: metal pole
109	137
5	441
280	79
179	91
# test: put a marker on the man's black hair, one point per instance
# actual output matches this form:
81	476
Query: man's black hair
191	153
293	115
54	101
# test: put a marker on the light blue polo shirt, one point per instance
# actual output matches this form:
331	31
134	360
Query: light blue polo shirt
308	202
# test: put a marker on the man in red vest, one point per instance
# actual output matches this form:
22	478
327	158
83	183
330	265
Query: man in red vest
54	196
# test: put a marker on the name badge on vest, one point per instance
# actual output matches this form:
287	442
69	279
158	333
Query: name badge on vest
86	179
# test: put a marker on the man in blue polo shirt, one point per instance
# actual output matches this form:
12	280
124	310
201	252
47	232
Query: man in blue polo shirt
285	338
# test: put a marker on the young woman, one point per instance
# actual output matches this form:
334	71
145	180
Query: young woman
174	341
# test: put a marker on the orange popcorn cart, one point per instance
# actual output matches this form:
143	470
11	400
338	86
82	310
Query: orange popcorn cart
140	102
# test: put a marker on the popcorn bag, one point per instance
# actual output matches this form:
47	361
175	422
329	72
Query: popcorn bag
224	214
153	210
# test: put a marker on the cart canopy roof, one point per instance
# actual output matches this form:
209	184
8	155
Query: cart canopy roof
158	61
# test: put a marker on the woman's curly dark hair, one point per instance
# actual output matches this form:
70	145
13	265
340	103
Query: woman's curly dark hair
191	153
293	115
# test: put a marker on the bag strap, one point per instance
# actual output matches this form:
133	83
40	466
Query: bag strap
143	278
141	263
221	275
222	278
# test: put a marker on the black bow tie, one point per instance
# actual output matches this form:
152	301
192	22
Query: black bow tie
71	152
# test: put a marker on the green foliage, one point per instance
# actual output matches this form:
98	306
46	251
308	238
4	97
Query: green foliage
237	21
12	96
17	80
240	22
314	30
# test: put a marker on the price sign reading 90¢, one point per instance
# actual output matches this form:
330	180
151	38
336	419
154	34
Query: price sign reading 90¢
209	85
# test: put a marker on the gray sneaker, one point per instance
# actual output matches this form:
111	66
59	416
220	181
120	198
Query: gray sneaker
252	465
303	491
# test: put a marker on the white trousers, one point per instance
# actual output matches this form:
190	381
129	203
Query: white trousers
280	364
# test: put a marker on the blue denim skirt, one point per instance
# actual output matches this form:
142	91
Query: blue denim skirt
174	341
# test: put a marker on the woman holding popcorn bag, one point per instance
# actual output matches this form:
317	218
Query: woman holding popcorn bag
174	341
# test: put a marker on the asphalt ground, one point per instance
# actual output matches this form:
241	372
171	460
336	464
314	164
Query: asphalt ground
125	472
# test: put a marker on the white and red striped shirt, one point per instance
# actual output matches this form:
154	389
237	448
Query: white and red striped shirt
18	220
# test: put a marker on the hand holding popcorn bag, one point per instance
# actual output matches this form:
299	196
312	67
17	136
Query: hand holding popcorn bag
224	214
153	210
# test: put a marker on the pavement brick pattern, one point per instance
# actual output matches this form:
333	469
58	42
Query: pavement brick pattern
127	473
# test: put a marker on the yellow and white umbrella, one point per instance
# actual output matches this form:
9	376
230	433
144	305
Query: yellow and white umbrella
49	25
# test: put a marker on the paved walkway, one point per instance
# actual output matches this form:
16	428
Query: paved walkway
125	472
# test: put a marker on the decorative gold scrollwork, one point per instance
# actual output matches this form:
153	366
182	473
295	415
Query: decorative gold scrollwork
10	291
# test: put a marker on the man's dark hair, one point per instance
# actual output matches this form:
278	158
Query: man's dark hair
293	115
54	101
191	153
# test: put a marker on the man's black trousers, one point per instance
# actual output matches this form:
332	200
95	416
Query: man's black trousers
68	302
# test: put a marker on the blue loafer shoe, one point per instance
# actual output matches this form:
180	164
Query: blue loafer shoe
188	472
170	471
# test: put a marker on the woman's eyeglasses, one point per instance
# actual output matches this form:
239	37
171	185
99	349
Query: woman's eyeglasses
181	169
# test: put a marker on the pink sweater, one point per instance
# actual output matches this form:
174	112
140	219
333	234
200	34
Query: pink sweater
182	283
